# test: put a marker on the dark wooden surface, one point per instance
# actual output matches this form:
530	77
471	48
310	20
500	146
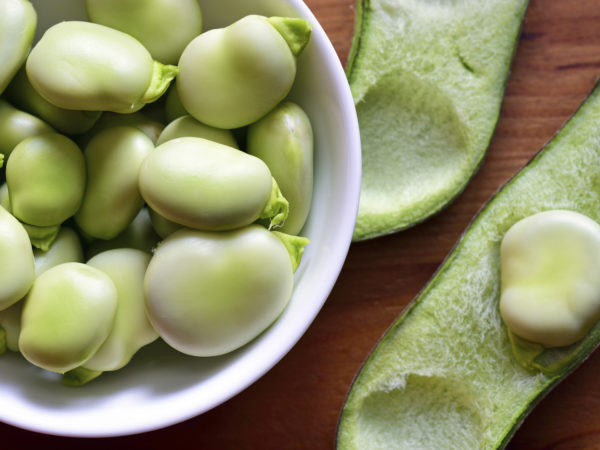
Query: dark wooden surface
296	404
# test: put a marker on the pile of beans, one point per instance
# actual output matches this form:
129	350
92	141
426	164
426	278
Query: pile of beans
156	182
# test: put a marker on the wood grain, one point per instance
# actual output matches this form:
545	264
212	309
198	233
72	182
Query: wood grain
296	404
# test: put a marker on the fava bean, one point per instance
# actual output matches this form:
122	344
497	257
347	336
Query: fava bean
131	330
283	139
10	327
16	125
40	237
16	260
230	77
112	200
209	293
163	227
187	126
4	197
67	315
119	75
550	291
65	248
152	128
205	185
164	27
18	21
139	234
21	93
45	175
173	106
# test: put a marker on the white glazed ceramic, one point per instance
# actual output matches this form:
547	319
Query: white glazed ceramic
161	387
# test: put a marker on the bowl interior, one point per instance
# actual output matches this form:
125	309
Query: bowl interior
160	386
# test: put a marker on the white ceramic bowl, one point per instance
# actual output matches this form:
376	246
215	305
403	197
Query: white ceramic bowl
160	386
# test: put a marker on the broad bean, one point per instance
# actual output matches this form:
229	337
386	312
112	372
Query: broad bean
187	126
67	315
550	290
230	77
66	248
45	175
152	128
18	22
205	185
131	330
283	139
21	93
16	260
112	200
209	293
173	106
164	27
4	197
10	327
140	234
16	125
163	227
119	75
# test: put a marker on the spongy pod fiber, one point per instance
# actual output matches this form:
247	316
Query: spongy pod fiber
428	79
445	374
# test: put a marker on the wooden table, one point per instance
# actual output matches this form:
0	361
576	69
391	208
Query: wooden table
296	404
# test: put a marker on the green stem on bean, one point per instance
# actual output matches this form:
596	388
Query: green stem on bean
296	32
79	376
525	351
277	207
162	75
294	245
41	237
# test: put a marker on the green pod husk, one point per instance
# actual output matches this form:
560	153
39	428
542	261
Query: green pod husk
447	374
428	79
